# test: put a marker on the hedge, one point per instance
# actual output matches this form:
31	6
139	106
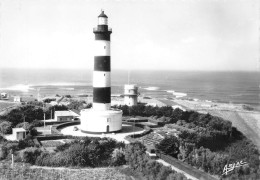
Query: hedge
53	137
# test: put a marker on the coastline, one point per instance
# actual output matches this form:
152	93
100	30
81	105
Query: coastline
248	122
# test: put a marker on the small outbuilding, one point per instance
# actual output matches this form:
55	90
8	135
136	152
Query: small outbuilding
17	99
19	133
4	96
65	115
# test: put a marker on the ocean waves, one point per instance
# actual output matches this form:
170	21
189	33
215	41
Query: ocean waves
19	87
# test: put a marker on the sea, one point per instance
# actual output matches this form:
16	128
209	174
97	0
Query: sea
227	87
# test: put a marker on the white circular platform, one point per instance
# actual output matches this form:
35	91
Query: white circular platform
126	130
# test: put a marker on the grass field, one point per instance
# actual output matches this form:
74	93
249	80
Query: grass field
20	172
53	143
6	104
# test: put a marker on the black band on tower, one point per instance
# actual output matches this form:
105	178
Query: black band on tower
101	94
102	63
102	36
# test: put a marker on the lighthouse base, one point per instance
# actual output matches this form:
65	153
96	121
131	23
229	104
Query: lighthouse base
98	121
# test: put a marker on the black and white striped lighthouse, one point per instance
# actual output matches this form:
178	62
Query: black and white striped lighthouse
101	118
101	75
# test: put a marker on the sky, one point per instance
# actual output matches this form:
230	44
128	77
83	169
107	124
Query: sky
207	35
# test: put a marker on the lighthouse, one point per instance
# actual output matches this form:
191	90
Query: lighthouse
101	118
101	75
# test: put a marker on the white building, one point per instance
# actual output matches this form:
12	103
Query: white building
4	95
18	134
17	99
65	115
130	94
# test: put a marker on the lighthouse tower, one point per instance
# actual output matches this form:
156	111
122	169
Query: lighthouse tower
101	118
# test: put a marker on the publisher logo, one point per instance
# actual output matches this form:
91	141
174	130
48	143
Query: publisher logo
230	167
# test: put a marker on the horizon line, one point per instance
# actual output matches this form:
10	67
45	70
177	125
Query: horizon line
122	69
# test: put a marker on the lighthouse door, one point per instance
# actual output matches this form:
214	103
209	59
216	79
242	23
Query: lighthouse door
107	128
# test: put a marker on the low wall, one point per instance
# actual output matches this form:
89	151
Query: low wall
131	138
56	133
63	125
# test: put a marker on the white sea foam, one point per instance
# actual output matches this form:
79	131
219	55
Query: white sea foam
68	89
170	91
19	87
152	88
176	94
179	94
62	84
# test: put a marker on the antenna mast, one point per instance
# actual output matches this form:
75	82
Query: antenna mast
128	76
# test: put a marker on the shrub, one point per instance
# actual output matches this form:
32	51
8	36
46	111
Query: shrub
92	152
25	143
6	127
29	155
247	107
2	139
7	147
11	145
36	123
3	152
62	147
118	157
24	125
139	161
34	132
43	159
169	145
136	156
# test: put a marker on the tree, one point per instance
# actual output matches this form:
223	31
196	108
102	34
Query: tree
137	110
48	100
125	109
35	103
176	115
169	145
135	156
166	110
78	105
25	125
15	116
149	110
